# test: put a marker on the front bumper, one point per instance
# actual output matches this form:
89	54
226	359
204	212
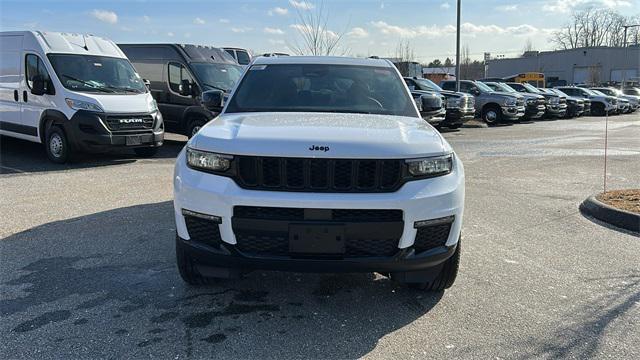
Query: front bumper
434	117
458	116
513	113
556	110
427	199
88	132
534	111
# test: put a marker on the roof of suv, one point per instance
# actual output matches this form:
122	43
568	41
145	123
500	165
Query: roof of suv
329	60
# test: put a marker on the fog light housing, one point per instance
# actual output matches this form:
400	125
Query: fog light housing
431	222
214	218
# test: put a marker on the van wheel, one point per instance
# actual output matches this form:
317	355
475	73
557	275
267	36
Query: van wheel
57	146
598	109
491	115
447	275
146	152
194	126
187	267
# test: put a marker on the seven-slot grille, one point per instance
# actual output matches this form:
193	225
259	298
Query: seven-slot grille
318	175
129	122
519	102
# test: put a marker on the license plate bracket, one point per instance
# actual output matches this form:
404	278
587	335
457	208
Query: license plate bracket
133	140
317	239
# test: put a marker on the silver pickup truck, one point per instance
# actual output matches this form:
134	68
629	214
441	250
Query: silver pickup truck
492	106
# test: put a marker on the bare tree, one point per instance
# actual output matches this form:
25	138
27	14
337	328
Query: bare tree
593	27
314	37
528	47
404	56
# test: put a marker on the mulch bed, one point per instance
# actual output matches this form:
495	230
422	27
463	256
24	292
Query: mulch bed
628	200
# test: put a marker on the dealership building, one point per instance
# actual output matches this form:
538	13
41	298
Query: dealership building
590	65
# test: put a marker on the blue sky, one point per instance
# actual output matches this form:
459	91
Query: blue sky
370	27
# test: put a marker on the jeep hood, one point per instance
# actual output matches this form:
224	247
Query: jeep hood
296	134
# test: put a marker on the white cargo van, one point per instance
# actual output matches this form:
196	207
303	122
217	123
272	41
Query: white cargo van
74	92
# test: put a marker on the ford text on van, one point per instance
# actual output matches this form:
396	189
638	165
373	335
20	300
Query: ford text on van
179	75
74	92
319	164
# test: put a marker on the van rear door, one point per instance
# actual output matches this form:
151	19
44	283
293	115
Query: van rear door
10	94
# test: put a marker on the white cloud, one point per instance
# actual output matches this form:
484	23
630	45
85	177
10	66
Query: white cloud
146	19
302	5
407	32
105	16
224	21
507	8
170	34
273	31
564	6
358	32
241	29
278	11
276	41
467	29
445	6
199	21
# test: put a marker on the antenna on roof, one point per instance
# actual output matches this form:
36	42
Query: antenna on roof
85	43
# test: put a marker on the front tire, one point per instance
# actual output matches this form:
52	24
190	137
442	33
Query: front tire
187	267
57	145
492	115
193	126
447	275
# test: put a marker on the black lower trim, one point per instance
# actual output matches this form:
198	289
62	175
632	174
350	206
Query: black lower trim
228	257
603	212
19	128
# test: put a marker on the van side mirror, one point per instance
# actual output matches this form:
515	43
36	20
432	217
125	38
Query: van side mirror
213	100
41	85
147	83
185	88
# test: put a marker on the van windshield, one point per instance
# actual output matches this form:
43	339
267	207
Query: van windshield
217	76
90	73
322	88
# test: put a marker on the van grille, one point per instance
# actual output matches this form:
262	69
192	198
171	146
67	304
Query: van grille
318	175
129	122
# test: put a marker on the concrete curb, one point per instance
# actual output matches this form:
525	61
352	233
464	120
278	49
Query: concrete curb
610	215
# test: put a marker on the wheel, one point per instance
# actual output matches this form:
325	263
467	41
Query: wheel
57	146
194	126
187	267
146	151
454	126
598	109
447	275
491	115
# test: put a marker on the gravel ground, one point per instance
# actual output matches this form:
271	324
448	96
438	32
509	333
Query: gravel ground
87	265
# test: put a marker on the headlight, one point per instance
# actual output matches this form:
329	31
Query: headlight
208	161
432	166
154	105
83	105
510	102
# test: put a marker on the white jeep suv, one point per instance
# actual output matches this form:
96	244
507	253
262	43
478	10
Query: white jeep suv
319	164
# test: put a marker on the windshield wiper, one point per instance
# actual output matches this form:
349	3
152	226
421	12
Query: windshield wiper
125	89
86	83
215	87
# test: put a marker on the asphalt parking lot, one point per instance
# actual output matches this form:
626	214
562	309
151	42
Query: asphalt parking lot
87	264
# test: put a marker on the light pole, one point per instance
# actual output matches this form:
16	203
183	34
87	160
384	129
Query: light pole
458	47
626	54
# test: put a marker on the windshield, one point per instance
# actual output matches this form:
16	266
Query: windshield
632	91
596	92
217	76
429	84
531	88
503	87
483	87
322	88
90	73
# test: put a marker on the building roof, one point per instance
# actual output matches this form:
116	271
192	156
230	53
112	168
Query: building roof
439	70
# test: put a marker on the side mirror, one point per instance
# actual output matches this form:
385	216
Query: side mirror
213	100
430	103
147	83
41	85
185	88
474	92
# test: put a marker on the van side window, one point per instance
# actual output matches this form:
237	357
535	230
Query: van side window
34	66
177	73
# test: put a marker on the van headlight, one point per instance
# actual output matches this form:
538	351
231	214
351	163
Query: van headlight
83	105
431	166
510	102
208	161
154	105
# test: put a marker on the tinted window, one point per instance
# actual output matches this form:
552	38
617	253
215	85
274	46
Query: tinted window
34	66
177	73
322	88
231	52
449	85
217	76
243	57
